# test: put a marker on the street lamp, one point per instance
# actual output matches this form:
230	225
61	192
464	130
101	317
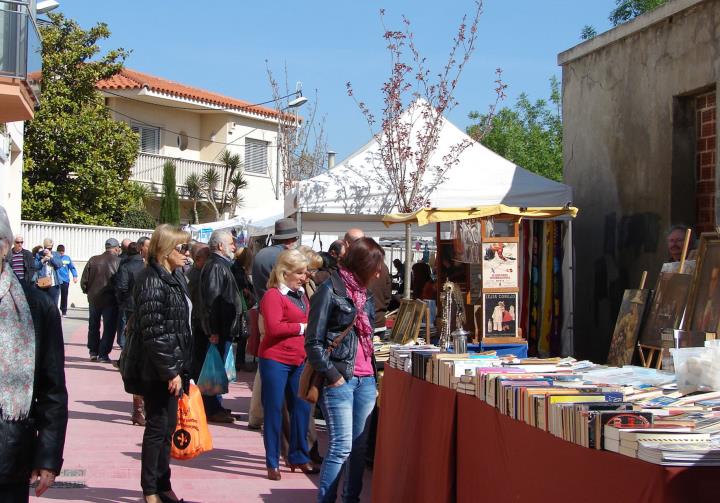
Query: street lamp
297	102
46	6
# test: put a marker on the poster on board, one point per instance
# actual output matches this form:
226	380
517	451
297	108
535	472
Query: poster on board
499	314
500	265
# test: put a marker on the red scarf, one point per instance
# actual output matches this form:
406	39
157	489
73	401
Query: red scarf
358	294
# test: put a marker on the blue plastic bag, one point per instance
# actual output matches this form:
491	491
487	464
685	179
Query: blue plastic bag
213	380
230	362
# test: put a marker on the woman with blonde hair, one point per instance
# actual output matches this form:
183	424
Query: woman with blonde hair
284	308
315	262
162	320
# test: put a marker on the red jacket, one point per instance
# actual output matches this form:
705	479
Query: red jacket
283	341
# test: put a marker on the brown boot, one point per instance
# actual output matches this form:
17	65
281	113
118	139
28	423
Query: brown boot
138	414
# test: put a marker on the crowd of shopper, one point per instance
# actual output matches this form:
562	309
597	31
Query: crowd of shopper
179	297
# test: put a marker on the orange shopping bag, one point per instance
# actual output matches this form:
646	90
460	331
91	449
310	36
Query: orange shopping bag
192	436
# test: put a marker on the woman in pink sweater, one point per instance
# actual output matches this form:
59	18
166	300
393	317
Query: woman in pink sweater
285	309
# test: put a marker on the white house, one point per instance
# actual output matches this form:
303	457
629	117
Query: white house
193	127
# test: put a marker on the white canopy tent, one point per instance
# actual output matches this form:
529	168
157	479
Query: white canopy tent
355	192
255	222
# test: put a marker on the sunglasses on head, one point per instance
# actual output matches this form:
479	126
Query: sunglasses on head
183	247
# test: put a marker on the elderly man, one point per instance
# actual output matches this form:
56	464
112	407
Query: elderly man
33	396
96	283
675	242
22	260
221	307
284	238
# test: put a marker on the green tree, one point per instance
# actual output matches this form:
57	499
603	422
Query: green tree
221	188
529	134
193	185
77	158
169	201
624	11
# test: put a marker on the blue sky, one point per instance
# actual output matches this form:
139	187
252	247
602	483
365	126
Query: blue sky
222	47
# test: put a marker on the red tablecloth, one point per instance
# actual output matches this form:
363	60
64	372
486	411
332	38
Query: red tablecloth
415	446
439	446
500	459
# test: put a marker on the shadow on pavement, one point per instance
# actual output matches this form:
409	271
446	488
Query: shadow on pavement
94	495
236	463
100	416
113	405
290	495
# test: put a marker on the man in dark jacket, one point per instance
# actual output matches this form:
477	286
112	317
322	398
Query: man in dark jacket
33	408
22	261
128	269
199	253
97	283
221	307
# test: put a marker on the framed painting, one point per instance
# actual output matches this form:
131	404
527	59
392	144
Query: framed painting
667	306
500	314
627	327
466	237
703	312
500	265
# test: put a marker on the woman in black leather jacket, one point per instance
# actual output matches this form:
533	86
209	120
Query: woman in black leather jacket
162	319
349	395
33	397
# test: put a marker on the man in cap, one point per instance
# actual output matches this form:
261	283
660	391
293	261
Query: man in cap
285	238
97	283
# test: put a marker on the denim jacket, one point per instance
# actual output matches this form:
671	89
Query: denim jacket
54	264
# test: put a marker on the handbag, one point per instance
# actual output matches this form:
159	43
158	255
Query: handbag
44	282
130	361
253	343
312	381
192	436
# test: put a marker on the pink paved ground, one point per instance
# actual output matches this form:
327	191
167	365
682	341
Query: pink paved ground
102	449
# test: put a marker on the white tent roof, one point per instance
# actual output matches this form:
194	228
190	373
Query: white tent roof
353	194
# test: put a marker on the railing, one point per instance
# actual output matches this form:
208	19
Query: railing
19	39
148	169
81	241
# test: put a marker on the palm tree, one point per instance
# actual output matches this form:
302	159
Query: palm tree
193	185
222	189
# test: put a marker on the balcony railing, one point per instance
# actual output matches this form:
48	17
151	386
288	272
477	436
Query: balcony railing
148	170
19	39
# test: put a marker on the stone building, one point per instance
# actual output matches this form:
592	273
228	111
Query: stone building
640	151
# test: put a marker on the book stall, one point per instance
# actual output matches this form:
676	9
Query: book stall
481	425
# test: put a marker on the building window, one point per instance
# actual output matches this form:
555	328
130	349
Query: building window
149	138
256	156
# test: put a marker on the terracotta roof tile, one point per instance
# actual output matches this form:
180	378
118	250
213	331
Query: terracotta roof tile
128	79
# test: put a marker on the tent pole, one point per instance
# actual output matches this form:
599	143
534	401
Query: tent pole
408	262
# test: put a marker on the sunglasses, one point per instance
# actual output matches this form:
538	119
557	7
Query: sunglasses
183	247
19	242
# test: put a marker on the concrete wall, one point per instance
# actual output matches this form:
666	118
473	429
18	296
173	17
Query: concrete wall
629	151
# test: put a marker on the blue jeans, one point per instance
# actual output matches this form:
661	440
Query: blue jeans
280	385
96	345
347	411
121	322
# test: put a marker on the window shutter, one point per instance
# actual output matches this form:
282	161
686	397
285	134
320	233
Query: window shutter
256	156
149	138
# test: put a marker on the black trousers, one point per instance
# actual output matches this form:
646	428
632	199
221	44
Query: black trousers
160	421
15	493
63	297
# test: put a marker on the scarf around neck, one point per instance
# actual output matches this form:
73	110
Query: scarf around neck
17	340
358	294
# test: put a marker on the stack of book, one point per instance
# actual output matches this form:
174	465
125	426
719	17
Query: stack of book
698	453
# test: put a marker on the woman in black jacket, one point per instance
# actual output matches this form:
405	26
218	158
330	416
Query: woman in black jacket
162	319
33	397
349	395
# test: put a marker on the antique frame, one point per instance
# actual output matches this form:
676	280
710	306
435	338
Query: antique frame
705	284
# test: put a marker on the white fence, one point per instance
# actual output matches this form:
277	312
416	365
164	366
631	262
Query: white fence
81	241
